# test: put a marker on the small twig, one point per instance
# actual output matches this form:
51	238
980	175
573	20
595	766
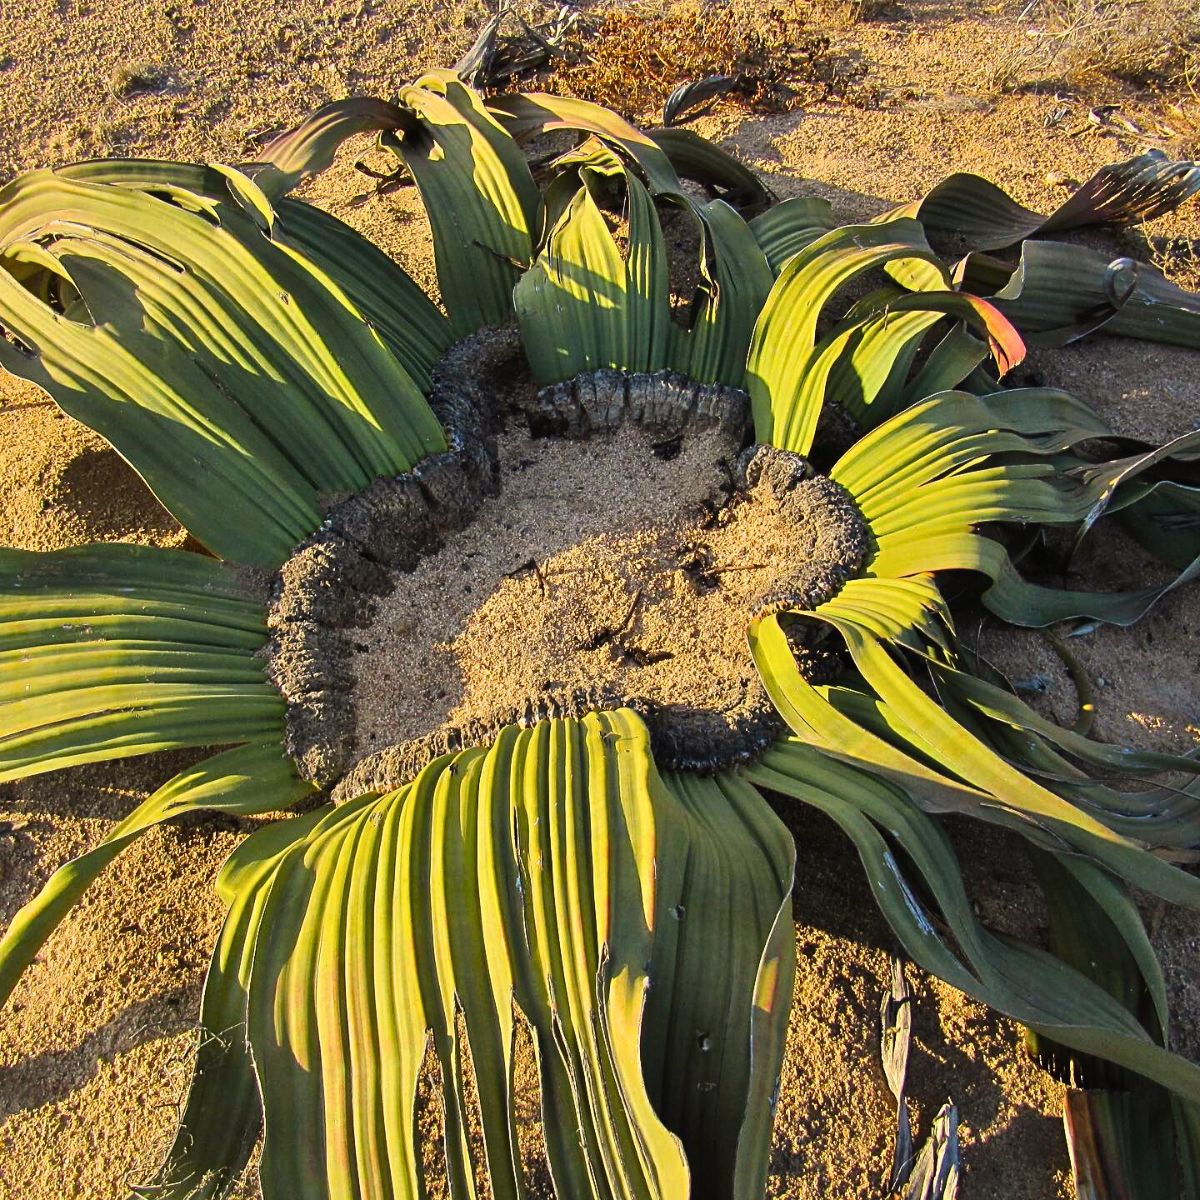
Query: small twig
530	564
628	622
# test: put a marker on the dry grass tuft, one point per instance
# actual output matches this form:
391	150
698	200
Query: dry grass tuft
1142	42
1178	258
1086	43
639	53
1181	119
130	78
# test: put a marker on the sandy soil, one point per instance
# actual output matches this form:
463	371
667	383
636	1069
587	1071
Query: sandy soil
419	661
94	1046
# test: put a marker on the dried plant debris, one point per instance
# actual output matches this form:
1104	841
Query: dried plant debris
1180	121
932	1174
498	56
775	55
938	1168
895	1039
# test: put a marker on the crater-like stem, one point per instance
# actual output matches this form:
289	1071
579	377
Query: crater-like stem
599	543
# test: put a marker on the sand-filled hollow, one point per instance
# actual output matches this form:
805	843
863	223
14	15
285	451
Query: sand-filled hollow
603	573
598	543
531	597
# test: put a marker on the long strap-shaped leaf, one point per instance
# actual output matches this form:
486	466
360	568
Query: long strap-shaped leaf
531	114
1058	293
555	872
968	776
734	270
944	465
222	1117
791	225
1121	1129
1165	816
723	176
475	184
308	149
662	157
927	477
113	650
1015	599
863	362
988	219
251	779
1029	984
410	324
584	305
228	369
728	836
478	193
1160	512
412	327
735	283
784	344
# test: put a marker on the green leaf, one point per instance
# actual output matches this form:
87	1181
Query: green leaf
113	650
784	348
955	440
412	327
907	856
729	835
478	194
735	282
927	477
251	779
1094	925
583	304
1122	1143
221	1119
640	925
1162	816
986	218
231	372
308	149
863	363
1160	513
1059	293
790	226
1165	815
949	362
1124	490
1120	1128
531	114
1163	517
723	176
990	788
